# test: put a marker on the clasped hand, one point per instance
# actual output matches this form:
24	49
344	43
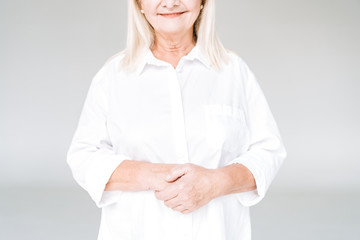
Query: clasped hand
188	187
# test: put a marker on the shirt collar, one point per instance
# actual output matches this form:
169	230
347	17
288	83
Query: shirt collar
150	59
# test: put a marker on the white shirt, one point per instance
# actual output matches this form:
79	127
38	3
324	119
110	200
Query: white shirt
160	114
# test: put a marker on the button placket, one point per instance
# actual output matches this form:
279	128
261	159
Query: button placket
179	131
185	220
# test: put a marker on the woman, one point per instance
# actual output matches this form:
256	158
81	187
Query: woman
175	140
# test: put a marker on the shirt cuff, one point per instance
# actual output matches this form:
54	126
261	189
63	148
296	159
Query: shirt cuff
103	165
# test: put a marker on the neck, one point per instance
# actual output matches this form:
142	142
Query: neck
177	45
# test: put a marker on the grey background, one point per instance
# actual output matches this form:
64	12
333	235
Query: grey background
305	54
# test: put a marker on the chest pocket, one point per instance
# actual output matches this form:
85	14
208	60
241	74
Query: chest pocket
225	127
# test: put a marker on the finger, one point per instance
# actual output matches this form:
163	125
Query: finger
176	173
186	211
166	194
179	208
159	195
173	202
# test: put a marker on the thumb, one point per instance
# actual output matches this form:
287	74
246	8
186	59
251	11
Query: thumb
175	173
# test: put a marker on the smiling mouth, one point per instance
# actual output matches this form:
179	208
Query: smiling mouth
176	14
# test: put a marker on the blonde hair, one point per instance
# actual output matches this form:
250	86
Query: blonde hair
141	36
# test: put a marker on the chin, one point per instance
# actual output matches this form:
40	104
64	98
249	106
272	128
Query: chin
172	28
171	31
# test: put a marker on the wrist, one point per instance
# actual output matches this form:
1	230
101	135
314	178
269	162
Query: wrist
220	182
155	174
237	178
146	177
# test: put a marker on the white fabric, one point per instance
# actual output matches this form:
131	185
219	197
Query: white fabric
164	115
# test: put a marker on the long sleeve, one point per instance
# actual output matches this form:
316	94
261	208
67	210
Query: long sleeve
266	151
91	156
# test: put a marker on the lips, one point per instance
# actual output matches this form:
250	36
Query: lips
174	14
